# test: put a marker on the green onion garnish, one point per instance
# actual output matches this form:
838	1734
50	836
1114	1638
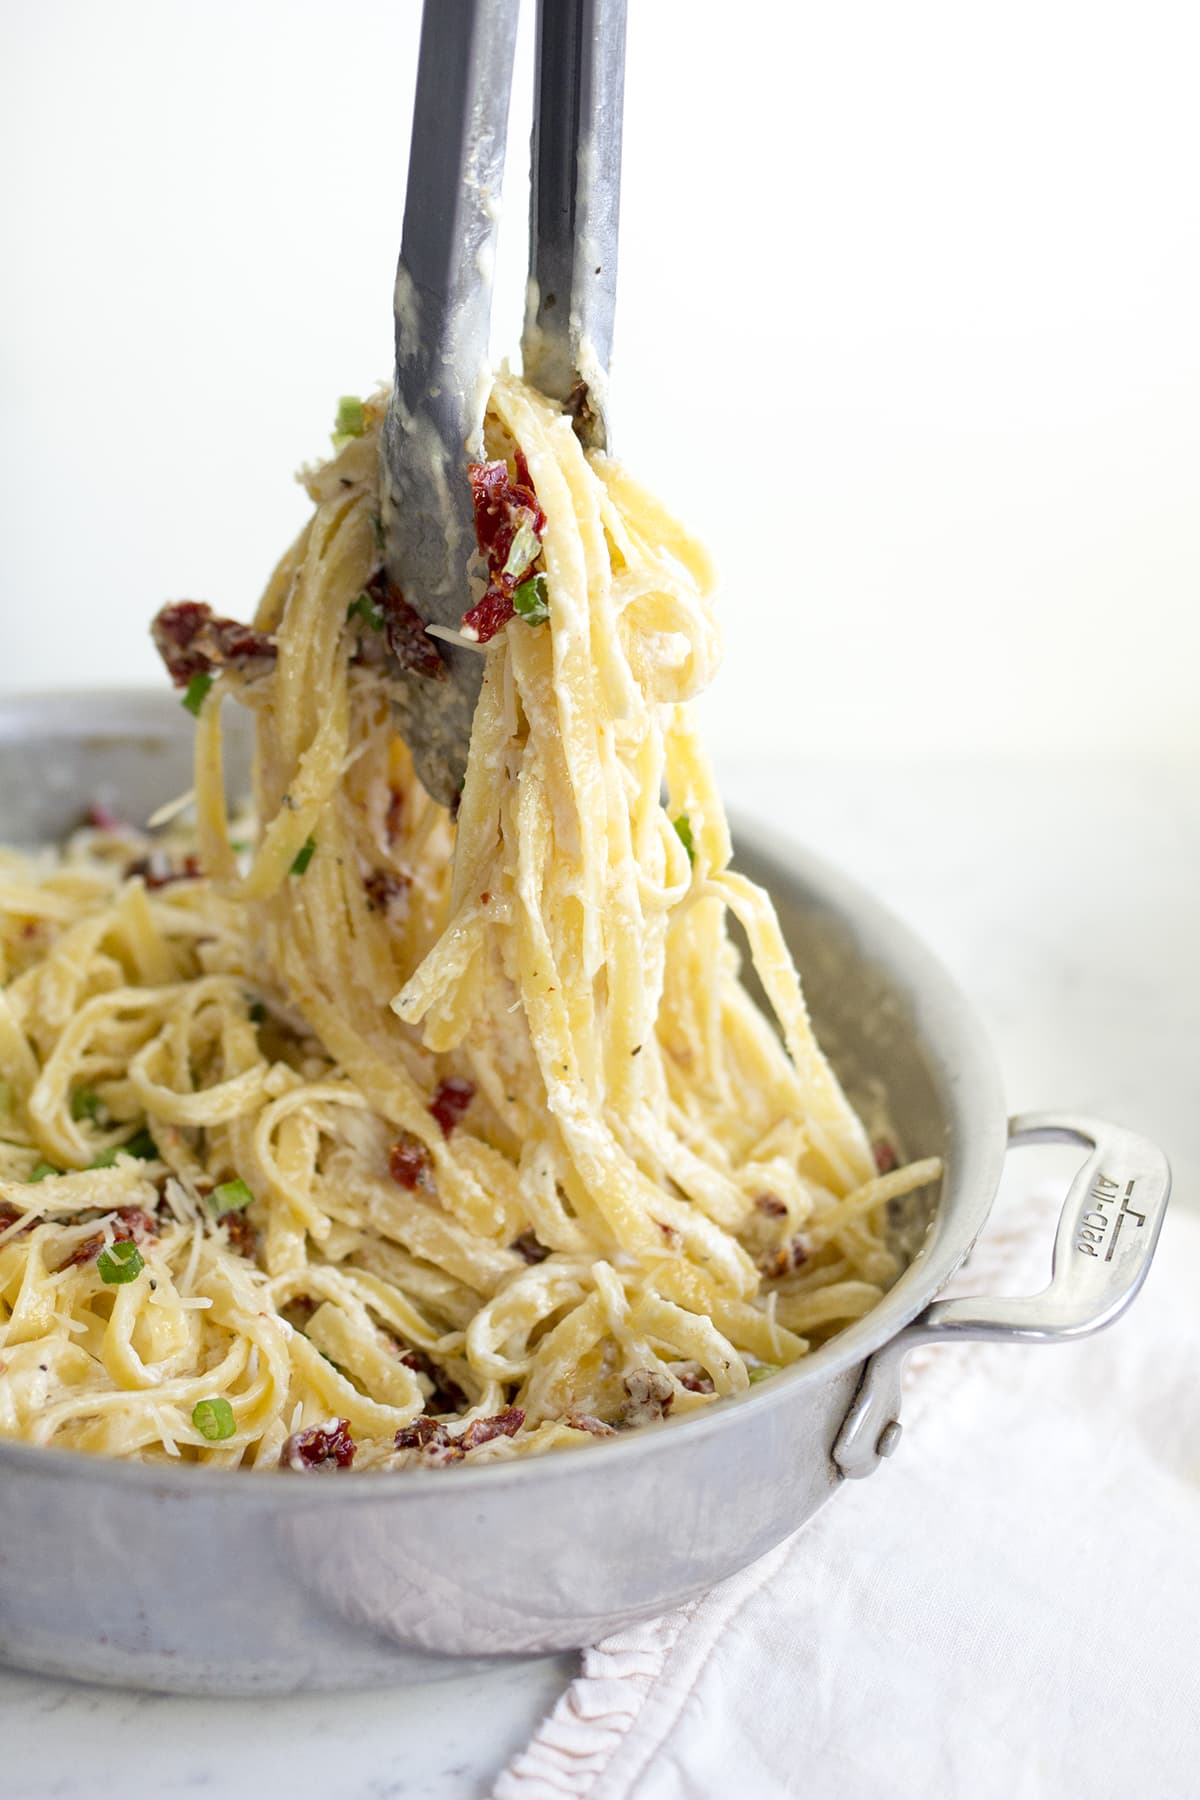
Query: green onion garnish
683	831
351	418
197	693
526	548
230	1196
304	856
40	1171
763	1371
214	1419
531	602
120	1263
87	1104
368	610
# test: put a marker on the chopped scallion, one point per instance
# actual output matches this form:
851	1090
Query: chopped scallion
683	831
351	418
526	548
87	1104
368	610
40	1171
214	1419
531	600
763	1371
197	693
120	1263
230	1196
304	856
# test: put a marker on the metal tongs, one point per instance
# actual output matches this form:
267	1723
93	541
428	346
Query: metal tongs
443	302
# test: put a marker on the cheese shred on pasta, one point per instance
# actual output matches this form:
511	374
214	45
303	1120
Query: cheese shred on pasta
393	1140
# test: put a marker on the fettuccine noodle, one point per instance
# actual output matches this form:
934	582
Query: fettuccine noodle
391	1140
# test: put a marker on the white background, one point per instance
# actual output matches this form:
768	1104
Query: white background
909	326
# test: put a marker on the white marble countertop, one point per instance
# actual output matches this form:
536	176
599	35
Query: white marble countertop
1063	898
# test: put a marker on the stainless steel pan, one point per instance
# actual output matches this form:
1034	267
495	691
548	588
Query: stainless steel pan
206	1582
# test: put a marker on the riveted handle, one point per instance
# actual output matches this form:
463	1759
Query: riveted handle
1106	1237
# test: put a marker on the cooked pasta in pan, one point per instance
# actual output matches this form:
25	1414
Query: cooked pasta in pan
347	1134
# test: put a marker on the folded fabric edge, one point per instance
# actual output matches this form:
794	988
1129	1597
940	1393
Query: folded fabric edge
574	1743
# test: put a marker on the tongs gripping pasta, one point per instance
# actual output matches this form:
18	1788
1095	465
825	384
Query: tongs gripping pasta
442	303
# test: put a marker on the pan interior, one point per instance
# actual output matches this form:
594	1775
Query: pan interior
863	1023
899	1035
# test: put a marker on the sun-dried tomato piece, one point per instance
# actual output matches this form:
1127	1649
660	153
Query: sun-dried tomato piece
488	616
509	527
135	1222
87	1251
438	1444
587	1422
451	1102
9	1216
525	484
427	1435
404	629
319	1448
131	1224
502	508
194	640
84	1252
409	1161
157	871
482	1431
422	1431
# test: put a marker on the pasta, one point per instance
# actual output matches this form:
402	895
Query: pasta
363	1137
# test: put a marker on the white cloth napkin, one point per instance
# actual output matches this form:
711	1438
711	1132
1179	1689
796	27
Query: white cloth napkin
1009	1608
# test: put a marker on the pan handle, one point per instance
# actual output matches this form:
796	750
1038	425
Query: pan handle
1106	1237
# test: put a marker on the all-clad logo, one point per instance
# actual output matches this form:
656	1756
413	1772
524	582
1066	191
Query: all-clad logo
1099	1229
